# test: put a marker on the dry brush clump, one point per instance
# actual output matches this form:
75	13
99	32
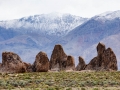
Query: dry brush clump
61	79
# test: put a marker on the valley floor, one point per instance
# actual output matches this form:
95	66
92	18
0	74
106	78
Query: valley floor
61	81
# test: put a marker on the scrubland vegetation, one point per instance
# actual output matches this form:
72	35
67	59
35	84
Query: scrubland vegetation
61	81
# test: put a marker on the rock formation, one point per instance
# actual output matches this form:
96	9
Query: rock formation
12	63
109	60
81	65
60	61
28	67
70	63
0	65
41	63
93	64
105	60
58	58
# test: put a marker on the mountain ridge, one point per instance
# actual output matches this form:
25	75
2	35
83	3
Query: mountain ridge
76	42
47	23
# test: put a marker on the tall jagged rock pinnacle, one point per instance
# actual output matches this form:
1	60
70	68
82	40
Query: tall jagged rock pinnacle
58	58
105	59
60	61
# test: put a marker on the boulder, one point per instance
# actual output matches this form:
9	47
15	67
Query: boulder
81	65
109	61
105	59
12	63
41	63
58	59
70	63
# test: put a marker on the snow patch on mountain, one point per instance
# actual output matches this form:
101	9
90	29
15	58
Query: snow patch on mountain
53	23
110	15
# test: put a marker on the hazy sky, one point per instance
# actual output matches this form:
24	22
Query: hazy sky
13	9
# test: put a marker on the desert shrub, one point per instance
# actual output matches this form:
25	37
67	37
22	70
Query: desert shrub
51	89
95	89
22	83
68	88
82	84
13	83
83	88
3	83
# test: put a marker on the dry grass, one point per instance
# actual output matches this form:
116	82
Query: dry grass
61	81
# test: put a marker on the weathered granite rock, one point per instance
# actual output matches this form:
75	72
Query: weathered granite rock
28	67
105	60
0	65
93	64
12	63
58	59
81	65
70	63
109	61
41	63
100	48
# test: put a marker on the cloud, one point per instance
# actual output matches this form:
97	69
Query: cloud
11	9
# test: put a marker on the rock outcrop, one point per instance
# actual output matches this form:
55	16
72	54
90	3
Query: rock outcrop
105	59
93	64
0	65
81	65
41	63
28	67
70	63
58	59
109	60
12	63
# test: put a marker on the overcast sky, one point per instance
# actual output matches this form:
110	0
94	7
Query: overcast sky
13	9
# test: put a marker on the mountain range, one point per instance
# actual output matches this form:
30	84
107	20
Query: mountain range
78	36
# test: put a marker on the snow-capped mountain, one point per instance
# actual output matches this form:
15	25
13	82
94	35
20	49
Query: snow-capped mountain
78	36
53	23
108	15
29	35
90	33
